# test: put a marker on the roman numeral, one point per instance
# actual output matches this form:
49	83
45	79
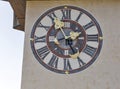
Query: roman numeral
52	16
43	26
40	39
51	38
43	52
67	24
93	37
90	50
66	14
67	65
53	61
90	24
66	52
81	63
80	14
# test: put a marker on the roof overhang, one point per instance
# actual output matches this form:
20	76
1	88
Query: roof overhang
19	7
19	13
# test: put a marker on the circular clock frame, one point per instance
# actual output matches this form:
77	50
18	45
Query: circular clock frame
75	42
90	51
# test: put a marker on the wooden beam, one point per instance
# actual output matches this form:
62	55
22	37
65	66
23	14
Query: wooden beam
19	10
19	7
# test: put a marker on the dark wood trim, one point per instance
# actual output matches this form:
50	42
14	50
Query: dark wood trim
19	7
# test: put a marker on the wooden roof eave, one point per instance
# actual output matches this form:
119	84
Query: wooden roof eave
19	7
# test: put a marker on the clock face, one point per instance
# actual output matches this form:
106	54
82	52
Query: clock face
66	39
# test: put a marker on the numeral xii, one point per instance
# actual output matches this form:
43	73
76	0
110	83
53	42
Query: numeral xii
66	13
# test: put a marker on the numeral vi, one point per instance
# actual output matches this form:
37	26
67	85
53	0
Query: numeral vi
67	65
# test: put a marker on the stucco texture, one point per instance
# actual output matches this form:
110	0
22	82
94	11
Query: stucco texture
104	73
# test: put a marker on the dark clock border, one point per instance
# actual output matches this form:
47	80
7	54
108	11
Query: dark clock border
76	70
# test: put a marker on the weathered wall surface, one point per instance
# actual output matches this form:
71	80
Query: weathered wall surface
104	73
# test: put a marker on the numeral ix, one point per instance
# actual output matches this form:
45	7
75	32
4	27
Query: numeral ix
40	39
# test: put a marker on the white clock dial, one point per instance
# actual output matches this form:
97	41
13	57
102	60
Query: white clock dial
66	39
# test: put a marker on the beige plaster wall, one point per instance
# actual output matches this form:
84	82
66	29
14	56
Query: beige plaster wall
104	73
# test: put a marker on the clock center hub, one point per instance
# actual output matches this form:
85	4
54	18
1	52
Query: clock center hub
65	42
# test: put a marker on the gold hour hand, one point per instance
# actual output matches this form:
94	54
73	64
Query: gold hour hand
74	35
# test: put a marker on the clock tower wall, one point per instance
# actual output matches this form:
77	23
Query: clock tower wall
102	74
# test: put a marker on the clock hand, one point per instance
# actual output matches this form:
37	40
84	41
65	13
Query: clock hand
72	49
61	39
75	54
66	37
74	35
57	40
58	25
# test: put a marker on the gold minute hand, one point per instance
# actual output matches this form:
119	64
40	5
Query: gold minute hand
75	54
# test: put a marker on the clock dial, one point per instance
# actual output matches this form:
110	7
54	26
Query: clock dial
66	39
